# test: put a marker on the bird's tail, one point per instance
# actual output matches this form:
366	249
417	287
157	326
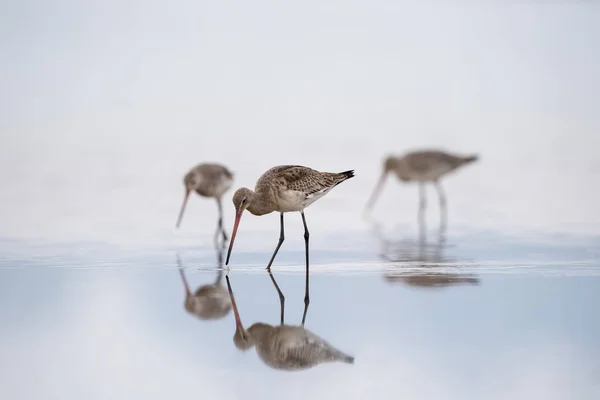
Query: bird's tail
345	358
345	175
470	159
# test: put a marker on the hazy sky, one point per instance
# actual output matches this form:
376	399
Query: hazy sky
105	105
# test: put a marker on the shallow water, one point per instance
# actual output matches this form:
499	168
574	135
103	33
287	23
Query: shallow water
480	316
105	106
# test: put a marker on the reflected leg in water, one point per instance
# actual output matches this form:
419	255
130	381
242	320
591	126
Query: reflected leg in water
220	229
281	297
188	292
219	250
443	210
306	290
281	239
422	206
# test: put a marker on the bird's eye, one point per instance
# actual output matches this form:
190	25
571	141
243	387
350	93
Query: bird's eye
243	200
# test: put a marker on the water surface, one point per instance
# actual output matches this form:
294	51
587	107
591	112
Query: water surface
479	317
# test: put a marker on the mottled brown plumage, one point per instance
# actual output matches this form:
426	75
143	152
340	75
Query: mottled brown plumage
208	180
284	347
285	188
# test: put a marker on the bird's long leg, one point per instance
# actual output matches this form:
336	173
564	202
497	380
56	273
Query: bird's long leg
443	209
219	265
281	239
281	297
220	229
306	291
422	206
188	292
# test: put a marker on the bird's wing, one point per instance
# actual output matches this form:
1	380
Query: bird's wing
305	180
302	349
422	161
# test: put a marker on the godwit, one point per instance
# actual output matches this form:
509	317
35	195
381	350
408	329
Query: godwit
284	347
208	180
209	301
285	188
422	166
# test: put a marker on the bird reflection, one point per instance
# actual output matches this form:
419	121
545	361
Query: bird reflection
208	302
284	347
427	273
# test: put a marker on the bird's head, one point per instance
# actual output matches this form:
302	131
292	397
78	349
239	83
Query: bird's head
390	163
191	181
241	338
242	199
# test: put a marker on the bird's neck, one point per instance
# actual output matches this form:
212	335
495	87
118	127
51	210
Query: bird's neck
261	204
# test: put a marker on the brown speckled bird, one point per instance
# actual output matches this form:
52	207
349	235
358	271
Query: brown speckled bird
422	167
208	180
285	188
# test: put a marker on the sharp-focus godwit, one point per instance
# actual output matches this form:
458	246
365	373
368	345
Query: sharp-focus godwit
285	188
284	347
422	166
210	301
208	180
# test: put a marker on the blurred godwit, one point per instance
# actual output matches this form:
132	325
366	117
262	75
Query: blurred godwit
284	347
208	180
209	301
285	188
422	166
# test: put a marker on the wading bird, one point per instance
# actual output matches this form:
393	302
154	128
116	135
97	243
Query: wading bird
285	188
208	180
284	347
423	167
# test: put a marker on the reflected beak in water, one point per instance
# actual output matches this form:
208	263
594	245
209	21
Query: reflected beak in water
376	192
238	216
185	199
238	321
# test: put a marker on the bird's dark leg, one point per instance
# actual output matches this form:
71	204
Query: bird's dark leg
281	297
281	239
443	209
181	273
306	292
220	229
219	265
422	206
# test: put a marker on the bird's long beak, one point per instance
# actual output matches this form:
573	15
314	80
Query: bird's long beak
238	321
376	192
238	216
185	199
